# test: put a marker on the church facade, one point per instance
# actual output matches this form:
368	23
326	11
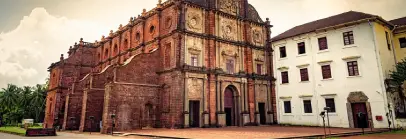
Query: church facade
185	63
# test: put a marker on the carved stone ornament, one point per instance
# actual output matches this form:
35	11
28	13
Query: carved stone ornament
227	30
194	45
257	36
229	6
194	21
260	57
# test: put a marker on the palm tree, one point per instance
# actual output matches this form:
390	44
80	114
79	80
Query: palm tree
9	97
38	100
24	101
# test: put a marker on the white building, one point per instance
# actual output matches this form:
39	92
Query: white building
340	62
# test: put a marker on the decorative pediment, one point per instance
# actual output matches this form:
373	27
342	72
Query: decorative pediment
325	62
351	58
357	97
229	53
194	45
305	96
285	97
283	68
260	57
303	65
229	6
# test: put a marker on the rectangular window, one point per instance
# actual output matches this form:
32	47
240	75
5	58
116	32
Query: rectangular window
307	104
287	107
352	68
387	40
285	77
330	103
304	74
282	51
326	71
194	60
323	43
301	48
402	42
230	66
259	69
348	38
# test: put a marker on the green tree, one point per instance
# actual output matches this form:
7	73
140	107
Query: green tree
38	101
398	78
9	97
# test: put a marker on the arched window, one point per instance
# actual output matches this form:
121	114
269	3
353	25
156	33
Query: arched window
115	51
99	57
106	53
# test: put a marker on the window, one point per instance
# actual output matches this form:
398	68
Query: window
287	107
282	51
301	48
152	29
304	74
307	104
348	38
323	43
137	36
330	103
230	66
259	69
194	60
285	77
326	71
387	40
402	42
352	68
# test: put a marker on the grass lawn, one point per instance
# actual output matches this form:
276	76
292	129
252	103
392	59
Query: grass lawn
396	132
16	130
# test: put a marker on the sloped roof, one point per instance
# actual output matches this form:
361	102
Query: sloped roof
342	18
399	21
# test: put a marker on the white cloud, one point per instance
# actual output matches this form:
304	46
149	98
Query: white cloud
27	51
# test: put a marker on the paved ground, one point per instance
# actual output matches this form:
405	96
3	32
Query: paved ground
242	132
64	135
384	136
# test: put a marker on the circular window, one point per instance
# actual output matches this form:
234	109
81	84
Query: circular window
152	29
137	36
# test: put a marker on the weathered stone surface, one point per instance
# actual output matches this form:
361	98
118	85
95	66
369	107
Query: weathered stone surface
143	72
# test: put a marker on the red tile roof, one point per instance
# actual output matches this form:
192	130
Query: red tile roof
342	18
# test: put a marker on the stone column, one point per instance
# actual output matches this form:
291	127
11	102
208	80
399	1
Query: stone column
246	114
206	113
186	104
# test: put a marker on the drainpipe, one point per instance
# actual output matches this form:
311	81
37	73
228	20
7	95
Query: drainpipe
391	41
379	68
313	78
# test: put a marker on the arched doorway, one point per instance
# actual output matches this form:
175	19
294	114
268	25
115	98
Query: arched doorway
230	106
148	116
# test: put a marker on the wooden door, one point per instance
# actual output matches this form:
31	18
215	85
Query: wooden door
360	122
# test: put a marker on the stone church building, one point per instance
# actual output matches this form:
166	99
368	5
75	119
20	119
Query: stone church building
185	63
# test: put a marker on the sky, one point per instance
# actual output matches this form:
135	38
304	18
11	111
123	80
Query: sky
33	33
